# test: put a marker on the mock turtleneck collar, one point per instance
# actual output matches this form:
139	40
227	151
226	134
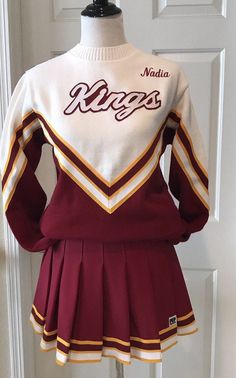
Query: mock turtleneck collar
103	52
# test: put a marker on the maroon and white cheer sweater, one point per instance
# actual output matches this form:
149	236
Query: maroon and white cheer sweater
108	113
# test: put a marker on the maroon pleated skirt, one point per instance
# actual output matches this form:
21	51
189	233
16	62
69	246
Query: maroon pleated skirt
110	299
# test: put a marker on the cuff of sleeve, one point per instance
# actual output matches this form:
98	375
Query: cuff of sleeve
184	236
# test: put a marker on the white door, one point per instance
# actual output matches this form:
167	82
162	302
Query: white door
200	36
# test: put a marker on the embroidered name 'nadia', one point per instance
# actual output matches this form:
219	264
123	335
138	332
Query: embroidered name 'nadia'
97	99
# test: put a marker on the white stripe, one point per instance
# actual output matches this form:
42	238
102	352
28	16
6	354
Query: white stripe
147	355
45	345
37	327
18	163
91	187
13	175
28	131
165	343
138	178
78	357
109	352
106	351
8	138
191	172
190	328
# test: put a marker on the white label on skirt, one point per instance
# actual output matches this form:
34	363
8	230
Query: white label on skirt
172	320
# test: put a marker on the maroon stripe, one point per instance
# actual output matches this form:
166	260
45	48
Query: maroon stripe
147	346
188	147
80	347
187	144
108	191
86	348
37	319
169	333
117	345
49	338
16	146
186	321
138	165
168	136
191	208
106	343
174	116
62	347
72	157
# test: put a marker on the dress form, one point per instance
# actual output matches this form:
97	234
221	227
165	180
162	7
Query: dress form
102	31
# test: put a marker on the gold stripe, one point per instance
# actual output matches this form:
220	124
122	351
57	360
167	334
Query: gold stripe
106	356
185	316
110	356
113	348
31	322
187	325
92	342
15	185
169	337
189	179
64	354
59	362
170	346
190	141
190	163
147	341
50	333
167	329
38	314
90	167
76	361
147	350
146	359
92	182
83	351
135	189
49	342
13	165
81	172
40	325
90	351
187	333
13	140
116	340
63	341
74	341
26	141
81	342
82	186
47	350
21	171
112	209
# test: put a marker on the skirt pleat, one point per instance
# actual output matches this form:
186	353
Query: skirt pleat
121	300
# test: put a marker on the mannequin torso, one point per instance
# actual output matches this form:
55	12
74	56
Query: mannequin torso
102	31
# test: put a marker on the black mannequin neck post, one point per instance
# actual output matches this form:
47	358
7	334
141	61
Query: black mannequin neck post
100	8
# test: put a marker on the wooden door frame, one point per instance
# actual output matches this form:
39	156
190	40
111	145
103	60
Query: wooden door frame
11	68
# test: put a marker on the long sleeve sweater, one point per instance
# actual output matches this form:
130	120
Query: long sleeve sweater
108	114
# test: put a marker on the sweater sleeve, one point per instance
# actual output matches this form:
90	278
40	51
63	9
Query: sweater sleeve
21	144
188	175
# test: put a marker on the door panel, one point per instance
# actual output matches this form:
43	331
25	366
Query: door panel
200	36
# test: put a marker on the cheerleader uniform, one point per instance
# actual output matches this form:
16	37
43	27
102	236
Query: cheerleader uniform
110	282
